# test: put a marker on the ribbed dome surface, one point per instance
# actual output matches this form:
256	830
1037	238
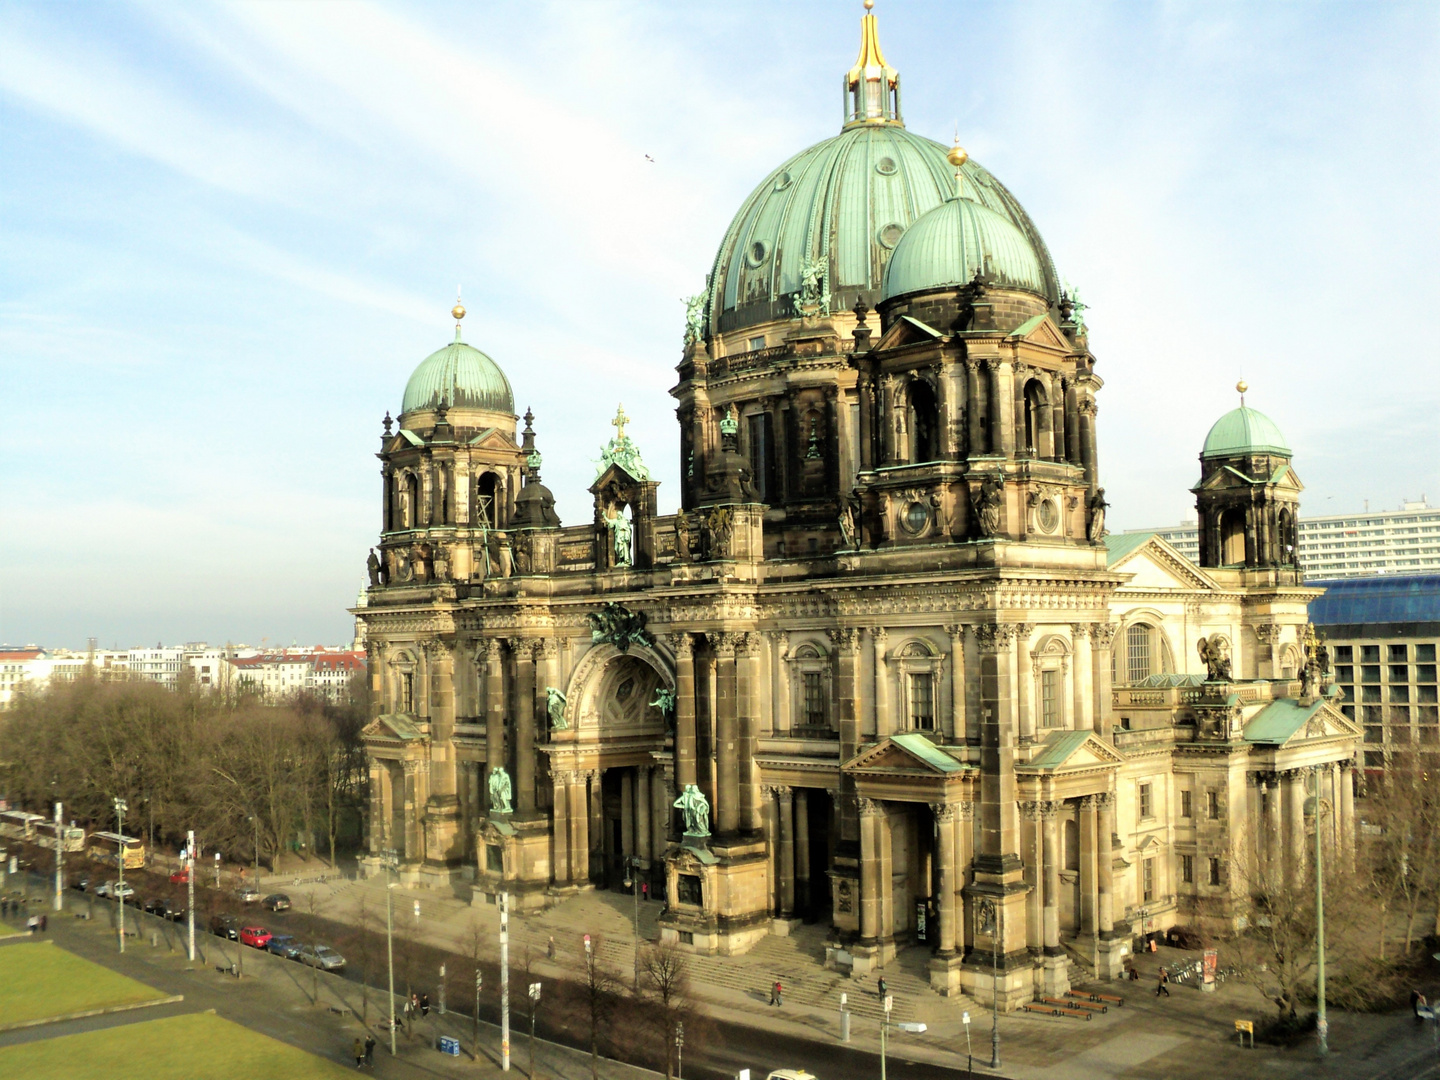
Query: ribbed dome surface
1244	431
844	204
948	245
463	378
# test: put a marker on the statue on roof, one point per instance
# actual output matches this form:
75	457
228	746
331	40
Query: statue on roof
622	451
1096	505
695	319
696	808
1215	652
372	564
986	504
499	791
555	709
621	535
813	297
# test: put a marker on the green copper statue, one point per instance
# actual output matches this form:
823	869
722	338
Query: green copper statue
696	808
555	707
499	791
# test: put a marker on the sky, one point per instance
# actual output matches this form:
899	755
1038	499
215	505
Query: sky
229	232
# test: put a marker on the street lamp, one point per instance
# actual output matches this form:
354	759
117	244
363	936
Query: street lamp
989	913
679	1051
632	882
1313	805
911	1026
120	808
534	1006
391	861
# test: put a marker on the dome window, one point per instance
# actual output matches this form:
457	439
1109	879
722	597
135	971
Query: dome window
757	253
886	166
782	181
917	516
889	235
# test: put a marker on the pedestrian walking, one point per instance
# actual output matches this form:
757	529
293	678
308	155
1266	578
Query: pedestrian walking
424	1004
644	890
1162	986
44	922
881	988
550	949
775	994
370	1050
359	1049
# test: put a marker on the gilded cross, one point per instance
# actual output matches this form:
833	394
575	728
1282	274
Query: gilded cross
620	421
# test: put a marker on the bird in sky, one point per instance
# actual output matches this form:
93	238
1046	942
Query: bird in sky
650	159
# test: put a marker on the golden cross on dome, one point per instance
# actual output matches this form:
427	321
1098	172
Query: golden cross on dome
620	421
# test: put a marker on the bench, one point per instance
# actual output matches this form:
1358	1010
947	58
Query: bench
1036	1007
1109	999
1082	1002
1069	1008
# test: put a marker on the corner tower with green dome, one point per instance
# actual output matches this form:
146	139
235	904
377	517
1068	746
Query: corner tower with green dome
1248	498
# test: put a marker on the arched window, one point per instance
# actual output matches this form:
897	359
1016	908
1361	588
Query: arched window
412	500
924	422
1035	405
487	492
1138	653
1232	537
1287	537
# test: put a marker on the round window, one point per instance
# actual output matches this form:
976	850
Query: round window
782	181
916	517
1047	515
886	166
889	235
756	255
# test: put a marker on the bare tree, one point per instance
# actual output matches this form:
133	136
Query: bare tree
1402	863
476	940
600	996
665	993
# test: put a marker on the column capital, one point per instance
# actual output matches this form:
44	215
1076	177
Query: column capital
682	645
879	635
724	644
546	649
845	638
870	807
1087	804
945	813
956	631
1105	800
995	637
1079	631
1103	633
1049	809
778	790
1031	810
967	810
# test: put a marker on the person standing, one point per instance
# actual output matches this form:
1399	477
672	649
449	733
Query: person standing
881	987
359	1049
370	1050
775	994
1162	987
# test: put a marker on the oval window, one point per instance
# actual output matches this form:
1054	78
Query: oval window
916	517
886	166
757	253
782	181
889	235
1047	515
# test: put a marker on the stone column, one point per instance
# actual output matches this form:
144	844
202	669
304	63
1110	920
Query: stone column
524	651
785	857
1089	893
683	644
884	718
1084	669
413	799
375	820
999	845
1033	837
1274	850
1057	419
964	857
627	813
974	414
1295	796
1105	859
643	849
1101	636
1347	812
579	819
866	387
727	738
747	694
560	827
945	834
871	816
772	846
1049	814
1072	422
997	404
1024	680
1088	455
597	825
780	680
1004	406
802	852
847	644
495	750
1332	779
958	732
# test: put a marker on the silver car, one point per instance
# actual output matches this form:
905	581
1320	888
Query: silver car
321	956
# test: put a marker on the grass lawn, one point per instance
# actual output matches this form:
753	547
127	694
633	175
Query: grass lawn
39	980
198	1046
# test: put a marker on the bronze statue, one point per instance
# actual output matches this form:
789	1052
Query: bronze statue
987	506
1215	652
372	564
1096	505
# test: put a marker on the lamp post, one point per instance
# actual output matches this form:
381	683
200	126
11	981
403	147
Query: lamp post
120	808
534	1006
479	984
679	1051
505	982
390	861
59	857
632	882
884	1031
190	895
1322	1025
989	912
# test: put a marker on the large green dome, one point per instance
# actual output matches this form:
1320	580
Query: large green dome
844	205
462	377
953	242
1244	431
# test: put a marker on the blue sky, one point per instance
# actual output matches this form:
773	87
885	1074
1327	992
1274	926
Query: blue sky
229	232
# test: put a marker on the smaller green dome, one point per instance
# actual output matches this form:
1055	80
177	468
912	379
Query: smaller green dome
950	243
1244	431
461	377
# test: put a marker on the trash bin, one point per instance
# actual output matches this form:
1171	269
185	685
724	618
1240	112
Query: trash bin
449	1046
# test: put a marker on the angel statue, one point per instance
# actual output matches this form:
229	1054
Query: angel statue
696	808
665	702
1215	651
555	707
499	791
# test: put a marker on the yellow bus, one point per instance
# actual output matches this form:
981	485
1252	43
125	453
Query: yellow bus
107	847
19	825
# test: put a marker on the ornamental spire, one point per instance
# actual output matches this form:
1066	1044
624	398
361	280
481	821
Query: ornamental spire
872	87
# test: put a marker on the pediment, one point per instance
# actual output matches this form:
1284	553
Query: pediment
492	438
1042	332
614	474
1073	751
907	331
393	726
1288	723
910	753
1155	564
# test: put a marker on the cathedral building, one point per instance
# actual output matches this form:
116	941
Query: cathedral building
884	669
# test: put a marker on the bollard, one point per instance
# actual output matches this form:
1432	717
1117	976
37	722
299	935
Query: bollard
844	1018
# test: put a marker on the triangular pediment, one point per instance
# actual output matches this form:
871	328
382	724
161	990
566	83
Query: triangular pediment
1073	751
614	474
1288	723
1155	565
493	438
1041	331
907	331
908	753
393	726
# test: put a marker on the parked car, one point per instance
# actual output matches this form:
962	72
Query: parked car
257	937
321	956
114	891
248	894
180	877
283	945
81	883
226	926
160	905
277	902
790	1074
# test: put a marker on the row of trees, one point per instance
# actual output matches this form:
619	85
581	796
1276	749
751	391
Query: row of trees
186	759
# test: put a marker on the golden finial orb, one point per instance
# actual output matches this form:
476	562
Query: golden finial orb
458	311
957	155
869	5
1242	386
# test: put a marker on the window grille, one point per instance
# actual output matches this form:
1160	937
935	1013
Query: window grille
1050	699
814	699
922	701
1137	653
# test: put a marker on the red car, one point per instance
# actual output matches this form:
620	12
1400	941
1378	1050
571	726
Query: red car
255	936
180	877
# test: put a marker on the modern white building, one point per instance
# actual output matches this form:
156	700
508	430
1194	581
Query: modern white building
1404	541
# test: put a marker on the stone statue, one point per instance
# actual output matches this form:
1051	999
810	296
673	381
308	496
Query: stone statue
684	540
442	563
665	702
850	522
620	537
1216	653
522	555
986	503
372	564
1096	505
619	626
720	526
555	707
622	451
694	318
499	791
696	808
504	561
813	298
1316	670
